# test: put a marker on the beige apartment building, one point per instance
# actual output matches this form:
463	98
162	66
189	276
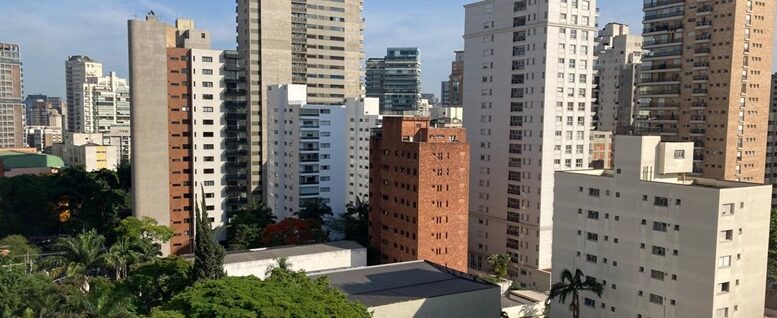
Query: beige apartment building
315	42
706	79
618	56
87	150
11	97
662	243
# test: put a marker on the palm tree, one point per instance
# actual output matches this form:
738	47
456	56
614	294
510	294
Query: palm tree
571	286
314	209
356	220
77	256
499	263
125	252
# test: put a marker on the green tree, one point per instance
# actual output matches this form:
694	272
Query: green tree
314	209
245	227
15	249
356	221
572	286
21	292
499	264
772	263
155	283
123	254
24	198
208	254
283	294
77	257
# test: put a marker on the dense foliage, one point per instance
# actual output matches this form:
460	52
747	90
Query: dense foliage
66	203
283	294
245	227
771	272
208	254
292	231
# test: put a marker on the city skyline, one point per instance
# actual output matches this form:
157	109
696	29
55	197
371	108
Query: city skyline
47	34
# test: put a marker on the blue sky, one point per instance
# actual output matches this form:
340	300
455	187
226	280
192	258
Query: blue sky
50	30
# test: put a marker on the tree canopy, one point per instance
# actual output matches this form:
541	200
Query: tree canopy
283	294
245	227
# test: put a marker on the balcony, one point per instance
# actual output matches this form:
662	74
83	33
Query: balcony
663	15
699	91
651	91
236	128
701	64
235	91
660	67
236	177
649	4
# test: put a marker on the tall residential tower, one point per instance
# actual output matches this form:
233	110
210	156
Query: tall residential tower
313	42
528	69
395	79
706	79
11	95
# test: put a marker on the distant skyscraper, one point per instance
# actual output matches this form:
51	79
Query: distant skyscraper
395	79
418	187
445	93
456	81
706	79
78	70
11	94
318	151
37	108
524	129
187	140
313	42
618	55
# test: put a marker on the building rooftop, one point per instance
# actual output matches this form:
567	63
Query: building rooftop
289	251
680	180
13	159
400	282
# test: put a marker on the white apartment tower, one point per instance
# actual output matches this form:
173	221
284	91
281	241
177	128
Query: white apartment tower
317	151
663	244
528	66
618	56
78	70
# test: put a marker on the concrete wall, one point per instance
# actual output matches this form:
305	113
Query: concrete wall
481	303
309	263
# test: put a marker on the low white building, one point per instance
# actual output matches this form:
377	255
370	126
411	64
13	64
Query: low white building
87	150
316	151
309	258
417	289
662	244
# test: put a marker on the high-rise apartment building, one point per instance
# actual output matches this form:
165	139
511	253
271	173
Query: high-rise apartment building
317	151
78	70
313	42
770	177
11	94
96	102
662	243
187	140
455	82
445	93
395	79
418	192
706	79
38	109
618	56
525	129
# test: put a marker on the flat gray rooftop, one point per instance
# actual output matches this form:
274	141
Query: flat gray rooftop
286	251
399	282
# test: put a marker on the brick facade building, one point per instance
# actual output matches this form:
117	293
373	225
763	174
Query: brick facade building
419	192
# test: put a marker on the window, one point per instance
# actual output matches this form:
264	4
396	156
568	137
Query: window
724	261
207	109
208	159
207	134
593	236
593	192
658	250
656	299
593	215
207	146
207	59
661	201
590	302
679	154
659	226
207	71
590	258
208	171
208	183
207	84
723	287
207	122
721	313
654	274
207	96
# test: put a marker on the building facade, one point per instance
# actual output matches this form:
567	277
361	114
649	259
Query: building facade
770	177
174	66
703	80
88	151
315	42
11	94
618	56
78	70
38	110
525	128
601	150
106	103
455	82
663	244
395	79
418	192
317	151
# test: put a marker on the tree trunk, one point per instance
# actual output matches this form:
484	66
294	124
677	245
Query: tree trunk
576	307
